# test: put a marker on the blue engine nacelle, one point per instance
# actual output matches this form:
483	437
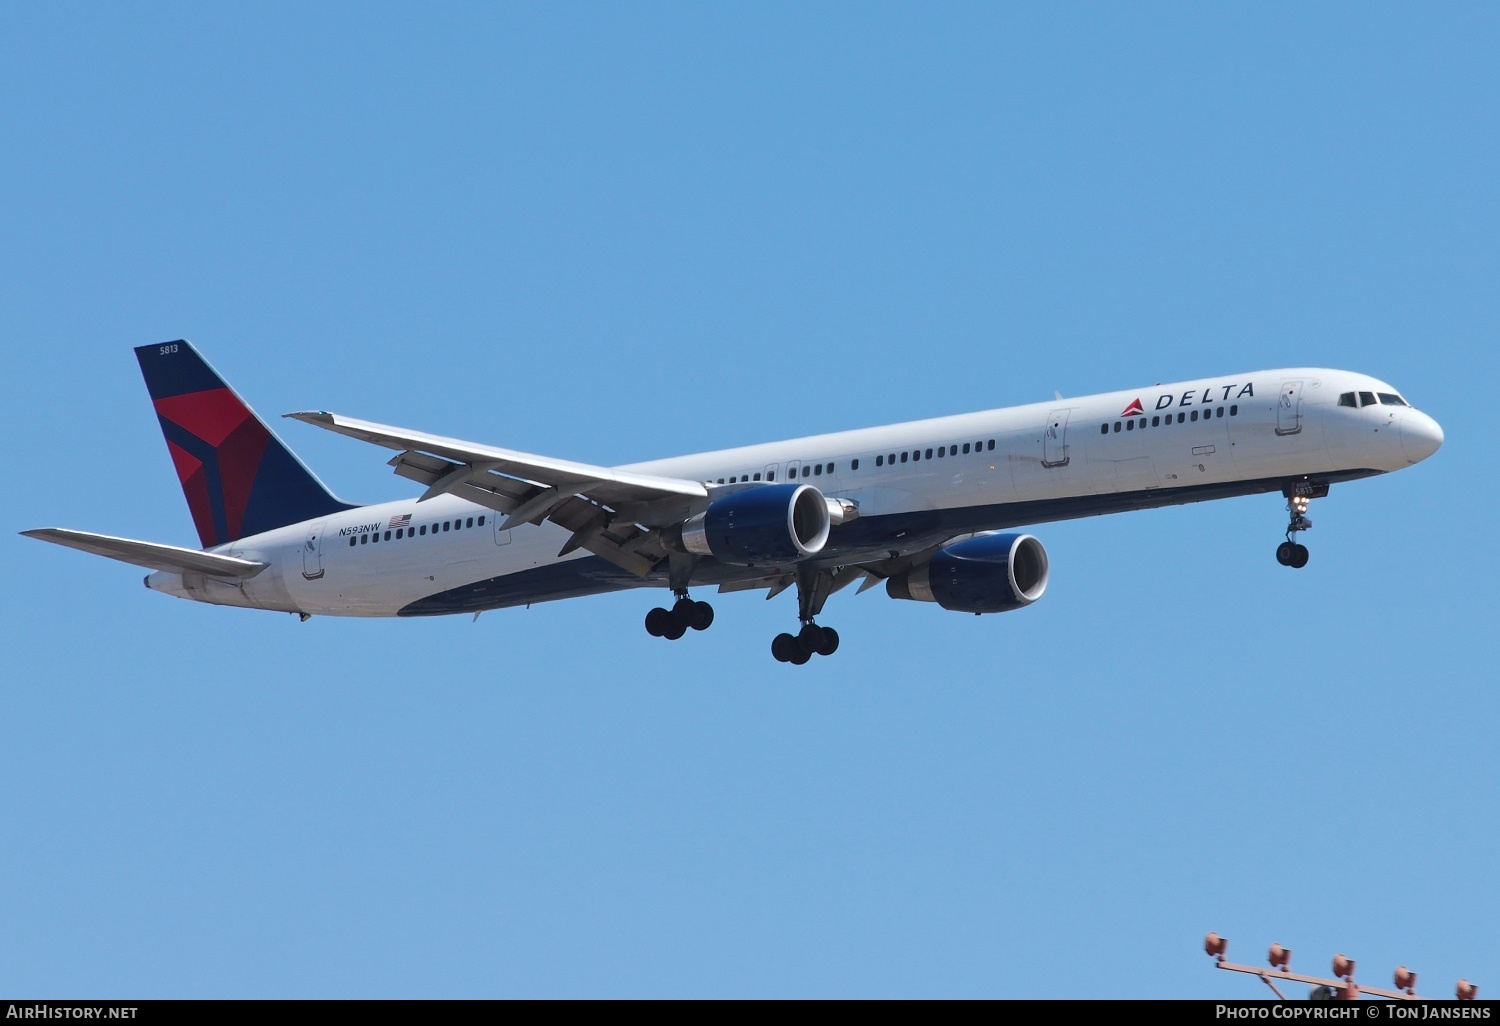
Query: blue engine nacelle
773	523
988	573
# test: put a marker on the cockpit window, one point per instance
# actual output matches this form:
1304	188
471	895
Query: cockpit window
1347	399
1367	398
1387	399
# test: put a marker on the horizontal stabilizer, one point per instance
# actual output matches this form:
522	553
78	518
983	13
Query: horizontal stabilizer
171	558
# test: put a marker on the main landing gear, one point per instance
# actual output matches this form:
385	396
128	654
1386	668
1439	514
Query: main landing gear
813	589
811	640
674	623
1291	552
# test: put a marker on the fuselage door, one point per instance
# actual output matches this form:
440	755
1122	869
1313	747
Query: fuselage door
1055	439
501	537
1289	408
312	551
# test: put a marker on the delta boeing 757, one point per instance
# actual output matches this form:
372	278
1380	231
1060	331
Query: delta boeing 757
927	508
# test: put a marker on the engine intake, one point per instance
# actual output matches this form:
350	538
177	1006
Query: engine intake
988	573
774	523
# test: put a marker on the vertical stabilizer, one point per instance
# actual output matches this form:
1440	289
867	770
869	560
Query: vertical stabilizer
238	477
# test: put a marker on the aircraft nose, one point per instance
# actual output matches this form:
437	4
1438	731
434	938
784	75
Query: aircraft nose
1420	436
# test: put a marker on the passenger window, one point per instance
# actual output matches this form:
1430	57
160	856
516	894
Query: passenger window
445	525
966	448
992	445
830	468
770	475
374	537
1117	427
353	541
1182	418
854	464
732	481
903	457
1347	399
1130	424
929	454
399	534
1218	412
818	470
941	451
1156	422
364	538
1194	416
481	521
880	461
757	477
1104	429
1234	411
469	522
1367	398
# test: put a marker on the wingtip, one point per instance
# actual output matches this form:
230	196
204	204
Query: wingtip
311	416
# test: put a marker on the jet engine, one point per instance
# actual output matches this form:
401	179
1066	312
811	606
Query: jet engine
773	523
988	573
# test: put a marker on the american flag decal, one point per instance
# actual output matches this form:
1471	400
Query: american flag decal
404	520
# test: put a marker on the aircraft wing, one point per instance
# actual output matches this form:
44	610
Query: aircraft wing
601	483
599	505
151	555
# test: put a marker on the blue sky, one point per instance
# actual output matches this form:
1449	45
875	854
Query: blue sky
611	233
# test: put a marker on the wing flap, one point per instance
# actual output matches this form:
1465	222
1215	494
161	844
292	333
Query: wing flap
152	555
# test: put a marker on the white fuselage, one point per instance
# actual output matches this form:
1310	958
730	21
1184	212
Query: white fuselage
911	484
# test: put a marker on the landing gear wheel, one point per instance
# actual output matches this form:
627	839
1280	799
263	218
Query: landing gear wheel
810	636
702	616
1299	557
800	656
828	642
1284	553
783	647
675	629
657	622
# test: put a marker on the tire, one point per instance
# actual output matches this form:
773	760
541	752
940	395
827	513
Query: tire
828	642
809	636
1284	553
703	616
799	657
782	647
675	629
657	622
1300	557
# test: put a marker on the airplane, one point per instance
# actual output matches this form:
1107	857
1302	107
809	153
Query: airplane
928	508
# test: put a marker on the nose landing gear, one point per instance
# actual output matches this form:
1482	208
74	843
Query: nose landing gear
1291	552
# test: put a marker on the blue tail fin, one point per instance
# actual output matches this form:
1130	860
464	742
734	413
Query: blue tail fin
238	477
